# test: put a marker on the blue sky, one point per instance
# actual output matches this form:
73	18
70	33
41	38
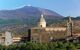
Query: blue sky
63	7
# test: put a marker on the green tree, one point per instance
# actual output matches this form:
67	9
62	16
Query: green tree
70	47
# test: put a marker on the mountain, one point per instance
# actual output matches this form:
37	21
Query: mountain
27	14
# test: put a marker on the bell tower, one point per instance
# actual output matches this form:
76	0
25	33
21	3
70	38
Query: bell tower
69	26
42	22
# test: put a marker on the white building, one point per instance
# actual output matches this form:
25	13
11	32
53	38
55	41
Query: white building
6	38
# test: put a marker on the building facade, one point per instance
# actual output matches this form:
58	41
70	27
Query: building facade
6	38
42	33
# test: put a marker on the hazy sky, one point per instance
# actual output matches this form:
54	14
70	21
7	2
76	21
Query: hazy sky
63	7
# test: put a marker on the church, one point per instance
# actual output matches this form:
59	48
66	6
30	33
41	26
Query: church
42	33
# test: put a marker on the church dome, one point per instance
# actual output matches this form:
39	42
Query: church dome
42	19
42	22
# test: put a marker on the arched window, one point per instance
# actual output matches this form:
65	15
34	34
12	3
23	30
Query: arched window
41	25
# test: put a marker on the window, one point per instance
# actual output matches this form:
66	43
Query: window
41	25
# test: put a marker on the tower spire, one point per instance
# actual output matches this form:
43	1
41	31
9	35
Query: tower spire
70	19
69	26
42	15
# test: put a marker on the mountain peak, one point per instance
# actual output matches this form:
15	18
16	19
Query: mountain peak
28	12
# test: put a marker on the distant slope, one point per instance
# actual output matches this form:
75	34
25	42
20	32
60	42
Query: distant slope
27	15
28	12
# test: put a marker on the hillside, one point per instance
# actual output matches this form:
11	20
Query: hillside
26	15
28	12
